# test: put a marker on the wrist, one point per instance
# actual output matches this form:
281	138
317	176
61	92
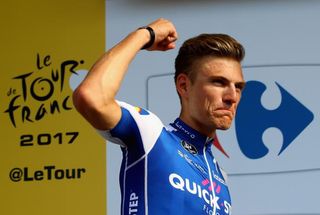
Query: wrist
151	36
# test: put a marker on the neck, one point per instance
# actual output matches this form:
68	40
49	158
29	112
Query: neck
206	130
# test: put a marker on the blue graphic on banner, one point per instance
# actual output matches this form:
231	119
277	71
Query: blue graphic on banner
252	119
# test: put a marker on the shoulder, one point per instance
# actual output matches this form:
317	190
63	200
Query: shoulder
136	125
140	115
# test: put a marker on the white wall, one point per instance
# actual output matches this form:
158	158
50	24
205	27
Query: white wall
281	38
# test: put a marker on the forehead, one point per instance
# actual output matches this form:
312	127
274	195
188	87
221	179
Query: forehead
224	67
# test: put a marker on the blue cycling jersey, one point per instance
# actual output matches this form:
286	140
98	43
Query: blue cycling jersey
166	170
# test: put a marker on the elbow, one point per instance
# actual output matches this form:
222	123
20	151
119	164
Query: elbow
100	110
90	102
86	100
80	99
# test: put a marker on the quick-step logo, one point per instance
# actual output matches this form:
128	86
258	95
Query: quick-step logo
202	191
133	204
184	184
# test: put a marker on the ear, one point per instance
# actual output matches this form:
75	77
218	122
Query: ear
182	85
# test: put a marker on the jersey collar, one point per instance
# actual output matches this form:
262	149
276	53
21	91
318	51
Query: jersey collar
190	135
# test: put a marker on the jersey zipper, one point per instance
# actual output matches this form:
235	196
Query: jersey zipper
210	175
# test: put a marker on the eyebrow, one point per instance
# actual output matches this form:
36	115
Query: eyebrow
240	84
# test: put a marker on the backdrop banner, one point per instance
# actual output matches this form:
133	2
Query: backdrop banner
52	161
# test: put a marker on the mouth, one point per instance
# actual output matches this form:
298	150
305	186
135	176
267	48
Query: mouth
224	112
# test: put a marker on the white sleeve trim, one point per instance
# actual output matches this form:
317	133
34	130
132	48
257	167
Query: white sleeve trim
150	128
106	135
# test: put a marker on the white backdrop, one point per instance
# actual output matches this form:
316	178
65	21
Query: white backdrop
281	41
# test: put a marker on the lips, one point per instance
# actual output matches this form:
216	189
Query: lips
224	112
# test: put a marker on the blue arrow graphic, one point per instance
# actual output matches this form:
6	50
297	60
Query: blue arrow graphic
252	119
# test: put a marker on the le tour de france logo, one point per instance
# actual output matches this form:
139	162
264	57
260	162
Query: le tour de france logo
39	93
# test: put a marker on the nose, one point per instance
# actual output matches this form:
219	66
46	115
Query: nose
230	94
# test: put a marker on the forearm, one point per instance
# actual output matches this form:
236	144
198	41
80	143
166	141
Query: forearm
106	76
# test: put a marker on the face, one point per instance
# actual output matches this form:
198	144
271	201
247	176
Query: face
209	102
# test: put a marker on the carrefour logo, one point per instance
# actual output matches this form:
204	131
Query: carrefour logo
291	118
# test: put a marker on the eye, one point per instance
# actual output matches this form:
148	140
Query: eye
219	82
240	86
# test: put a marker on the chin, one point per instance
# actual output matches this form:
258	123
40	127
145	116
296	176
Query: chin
223	126
222	123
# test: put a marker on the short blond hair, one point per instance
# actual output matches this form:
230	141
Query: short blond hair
204	45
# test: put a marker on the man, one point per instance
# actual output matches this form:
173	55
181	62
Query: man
168	170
